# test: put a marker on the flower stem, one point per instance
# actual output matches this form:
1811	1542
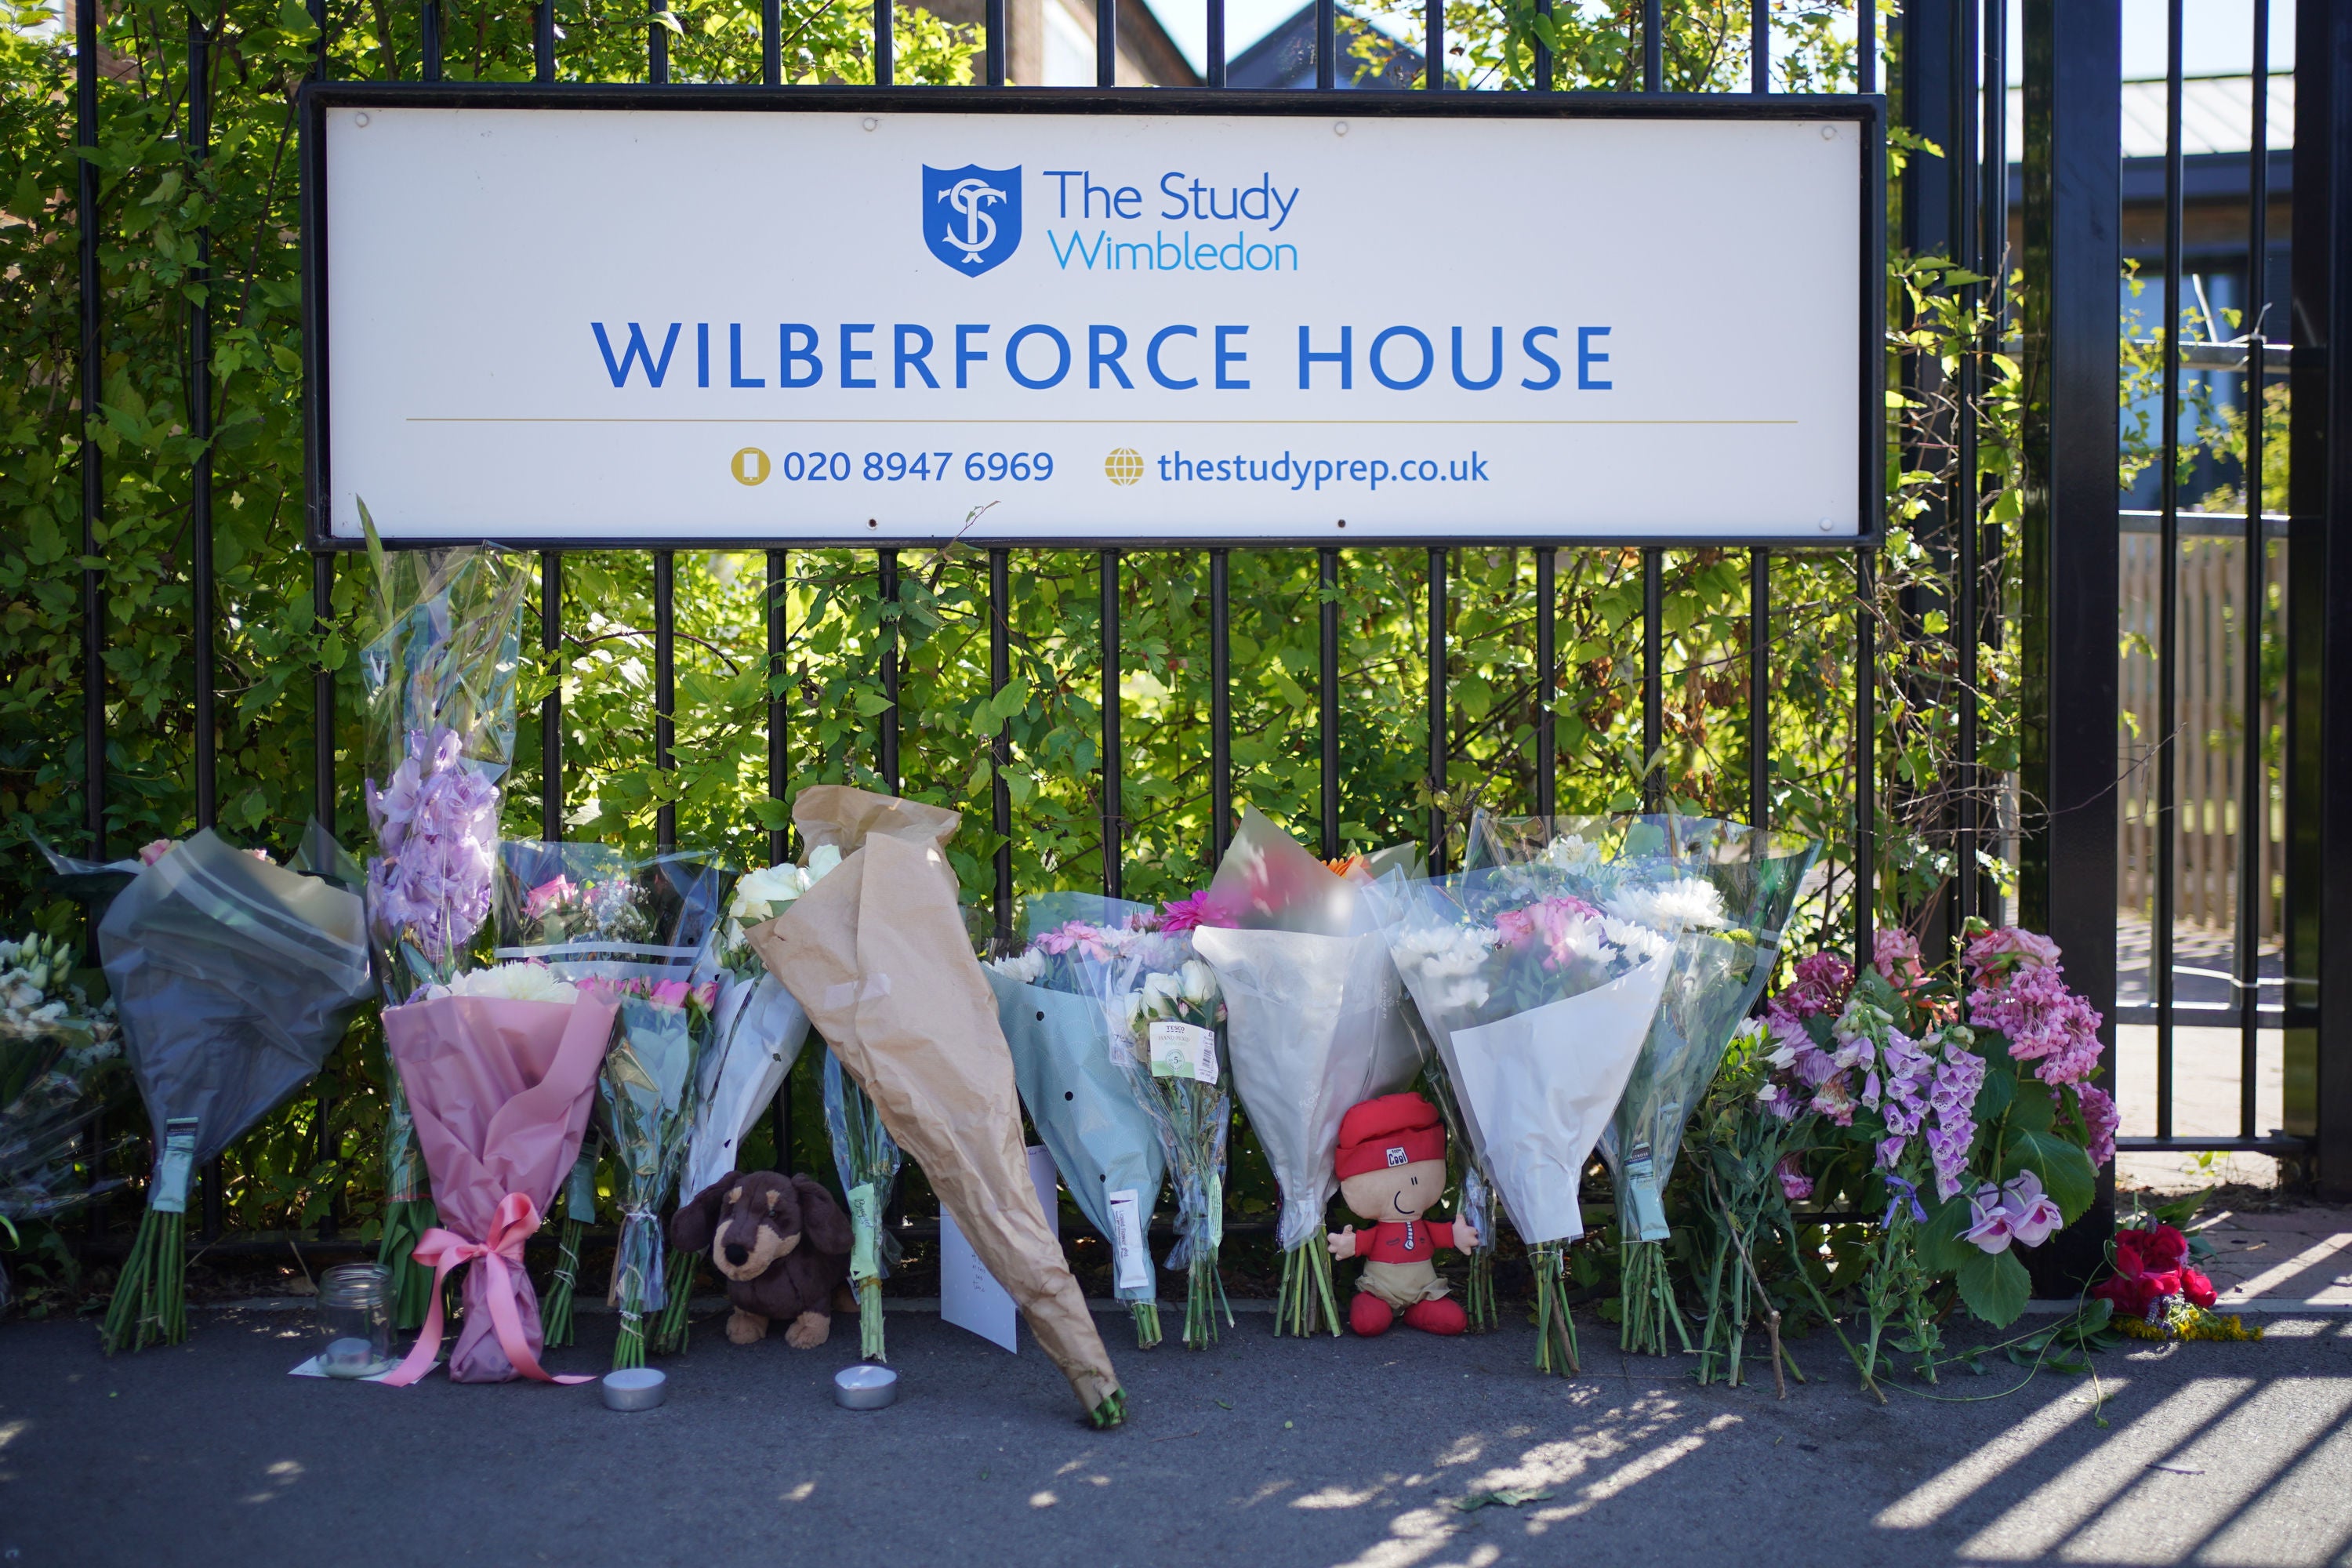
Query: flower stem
1555	1328
670	1331
555	1321
1147	1323
405	1221
869	1320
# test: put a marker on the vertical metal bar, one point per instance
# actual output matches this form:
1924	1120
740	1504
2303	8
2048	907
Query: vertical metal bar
1759	690
1653	676
1960	507
771	61
93	392
1547	680
1328	694
200	430
2318	1055
323	694
1106	43
1654	46
665	688
657	46
1216	45
1221	707
551	707
2067	533
1865	757
1000	675
1865	44
1433	46
1759	45
1543	56
542	42
2168	619
2254	794
1327	45
429	27
1114	842
200	501
996	42
884	43
1438	749
778	601
887	570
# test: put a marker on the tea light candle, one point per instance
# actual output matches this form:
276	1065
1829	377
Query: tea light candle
348	1358
865	1387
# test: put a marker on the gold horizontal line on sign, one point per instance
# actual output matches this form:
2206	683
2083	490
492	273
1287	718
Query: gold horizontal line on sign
1127	424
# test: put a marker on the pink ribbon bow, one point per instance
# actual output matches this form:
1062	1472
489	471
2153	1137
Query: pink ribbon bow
516	1218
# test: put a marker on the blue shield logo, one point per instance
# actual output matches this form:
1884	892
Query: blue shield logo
971	215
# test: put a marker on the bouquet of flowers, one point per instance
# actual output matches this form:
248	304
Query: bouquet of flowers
232	979
1049	1003
866	1159
879	954
2156	1294
1539	1003
641	935
500	1068
56	1056
757	1030
1315	1024
1168	1020
440	678
1730	890
1910	1102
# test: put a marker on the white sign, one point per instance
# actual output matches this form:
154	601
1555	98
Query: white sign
969	1297
665	325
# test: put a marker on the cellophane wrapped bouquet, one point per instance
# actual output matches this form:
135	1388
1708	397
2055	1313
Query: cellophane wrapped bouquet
640	934
232	979
440	681
756	1032
1049	1000
1729	889
1538	1003
1168	1025
1316	1021
58	1056
866	1159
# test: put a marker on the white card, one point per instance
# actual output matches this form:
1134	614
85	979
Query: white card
969	1297
311	1369
1134	1263
1183	1050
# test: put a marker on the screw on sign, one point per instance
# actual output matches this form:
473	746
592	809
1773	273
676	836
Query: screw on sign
1124	466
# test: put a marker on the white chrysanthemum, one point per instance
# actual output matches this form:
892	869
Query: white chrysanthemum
511	982
1686	902
1025	967
1570	853
1451	959
1637	941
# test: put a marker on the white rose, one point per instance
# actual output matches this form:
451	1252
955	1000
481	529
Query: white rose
1198	983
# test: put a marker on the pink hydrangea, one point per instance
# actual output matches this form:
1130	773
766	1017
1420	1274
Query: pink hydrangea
2011	949
2045	1020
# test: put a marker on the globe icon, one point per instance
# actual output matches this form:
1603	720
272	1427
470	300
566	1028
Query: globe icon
1124	466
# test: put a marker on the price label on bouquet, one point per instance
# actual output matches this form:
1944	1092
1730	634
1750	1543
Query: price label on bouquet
1183	1050
864	1230
172	1172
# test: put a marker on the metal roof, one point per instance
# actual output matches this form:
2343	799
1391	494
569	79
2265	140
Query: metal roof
2215	116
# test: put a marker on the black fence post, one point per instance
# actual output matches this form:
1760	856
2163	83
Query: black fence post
93	390
2318	1101
2067	617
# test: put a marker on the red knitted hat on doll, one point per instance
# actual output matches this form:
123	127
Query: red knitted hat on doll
1394	1130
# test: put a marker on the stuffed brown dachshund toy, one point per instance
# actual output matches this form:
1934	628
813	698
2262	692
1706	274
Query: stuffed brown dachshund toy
781	1246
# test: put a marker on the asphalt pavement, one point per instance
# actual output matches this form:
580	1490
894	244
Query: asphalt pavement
1261	1451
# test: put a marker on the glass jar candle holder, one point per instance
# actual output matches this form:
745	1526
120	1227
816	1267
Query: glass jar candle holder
353	1320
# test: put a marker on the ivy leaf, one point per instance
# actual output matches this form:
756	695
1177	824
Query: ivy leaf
1995	1286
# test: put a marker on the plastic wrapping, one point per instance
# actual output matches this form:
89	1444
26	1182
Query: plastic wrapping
57	1058
232	979
866	1159
501	1090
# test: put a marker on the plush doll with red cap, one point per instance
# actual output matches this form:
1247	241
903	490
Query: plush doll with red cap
1391	1167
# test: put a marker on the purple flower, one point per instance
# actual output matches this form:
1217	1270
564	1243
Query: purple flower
2101	1117
1820	989
1948	1150
436	826
1795	1185
1890	1152
2043	1021
2018	1211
